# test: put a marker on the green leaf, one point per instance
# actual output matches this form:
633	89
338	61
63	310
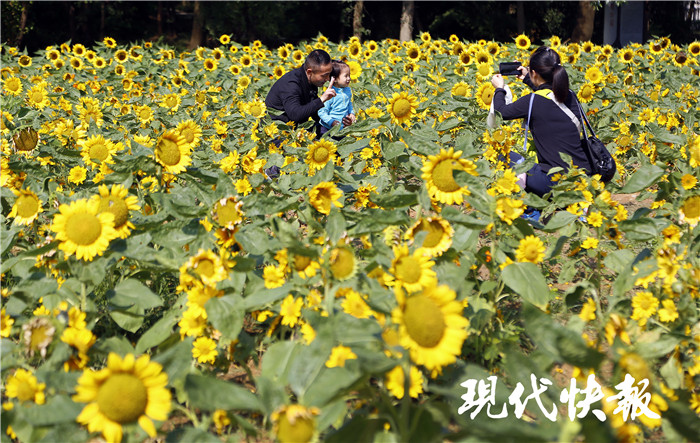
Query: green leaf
527	280
396	200
335	225
209	394
158	333
128	303
642	179
619	260
57	409
226	315
639	230
191	435
559	220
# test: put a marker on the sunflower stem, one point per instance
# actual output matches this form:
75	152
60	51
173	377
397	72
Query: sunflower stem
83	297
405	418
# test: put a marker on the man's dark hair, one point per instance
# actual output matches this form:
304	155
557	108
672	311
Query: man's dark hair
316	59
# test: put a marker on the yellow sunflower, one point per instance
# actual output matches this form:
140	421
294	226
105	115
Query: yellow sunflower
12	85
485	94
191	132
343	264
694	49
438	234
83	230
438	175
431	326
626	56
208	266
118	202
412	272
402	106
227	212
26	208
585	94
97	151
531	249
594	75
323	195
23	386
355	70
128	390
522	42
256	108
295	423
320	153
690	210
461	89
173	152
38	97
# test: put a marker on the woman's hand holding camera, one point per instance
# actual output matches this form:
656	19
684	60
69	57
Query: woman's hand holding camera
497	81
523	72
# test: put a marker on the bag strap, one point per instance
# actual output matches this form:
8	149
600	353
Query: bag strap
567	111
527	122
584	142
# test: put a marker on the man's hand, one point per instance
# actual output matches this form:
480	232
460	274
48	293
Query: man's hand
330	92
497	81
349	119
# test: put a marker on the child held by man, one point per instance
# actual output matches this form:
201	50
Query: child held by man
338	110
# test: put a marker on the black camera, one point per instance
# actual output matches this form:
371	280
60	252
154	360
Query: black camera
509	68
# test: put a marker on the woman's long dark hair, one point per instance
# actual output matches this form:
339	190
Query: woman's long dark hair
546	62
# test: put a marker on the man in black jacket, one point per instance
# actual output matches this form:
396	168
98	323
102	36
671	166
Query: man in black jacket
296	92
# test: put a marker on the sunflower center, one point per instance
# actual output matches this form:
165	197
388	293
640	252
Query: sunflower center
145	114
408	269
27	206
25	391
484	69
487	96
171	101
116	206
442	177
98	151
255	110
228	214
402	107
434	235
586	92
343	264
122	398
205	267
39	336
691	207
321	154
424	321
37	96
168	152
301	262
300	430
83	229
188	134
461	90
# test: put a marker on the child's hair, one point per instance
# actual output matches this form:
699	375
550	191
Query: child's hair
338	66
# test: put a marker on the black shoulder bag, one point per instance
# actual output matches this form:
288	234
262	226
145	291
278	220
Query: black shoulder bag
599	157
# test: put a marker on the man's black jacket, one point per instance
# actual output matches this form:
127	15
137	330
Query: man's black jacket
294	95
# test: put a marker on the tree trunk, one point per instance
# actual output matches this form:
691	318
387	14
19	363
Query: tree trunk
159	18
357	19
22	25
520	16
197	28
407	8
584	23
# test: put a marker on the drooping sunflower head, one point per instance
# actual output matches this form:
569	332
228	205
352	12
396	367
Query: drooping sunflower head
295	423
319	154
26	208
402	106
83	230
128	390
438	234
323	195
172	152
438	173
431	326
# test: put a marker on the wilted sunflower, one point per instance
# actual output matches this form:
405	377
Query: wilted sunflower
191	132
97	151
438	234
38	334
438	175
128	390
412	272
173	152
83	230
319	154
118	202
26	208
295	423
323	195
402	106
431	326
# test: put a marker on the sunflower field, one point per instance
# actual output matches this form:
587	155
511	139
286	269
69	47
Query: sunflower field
176	265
